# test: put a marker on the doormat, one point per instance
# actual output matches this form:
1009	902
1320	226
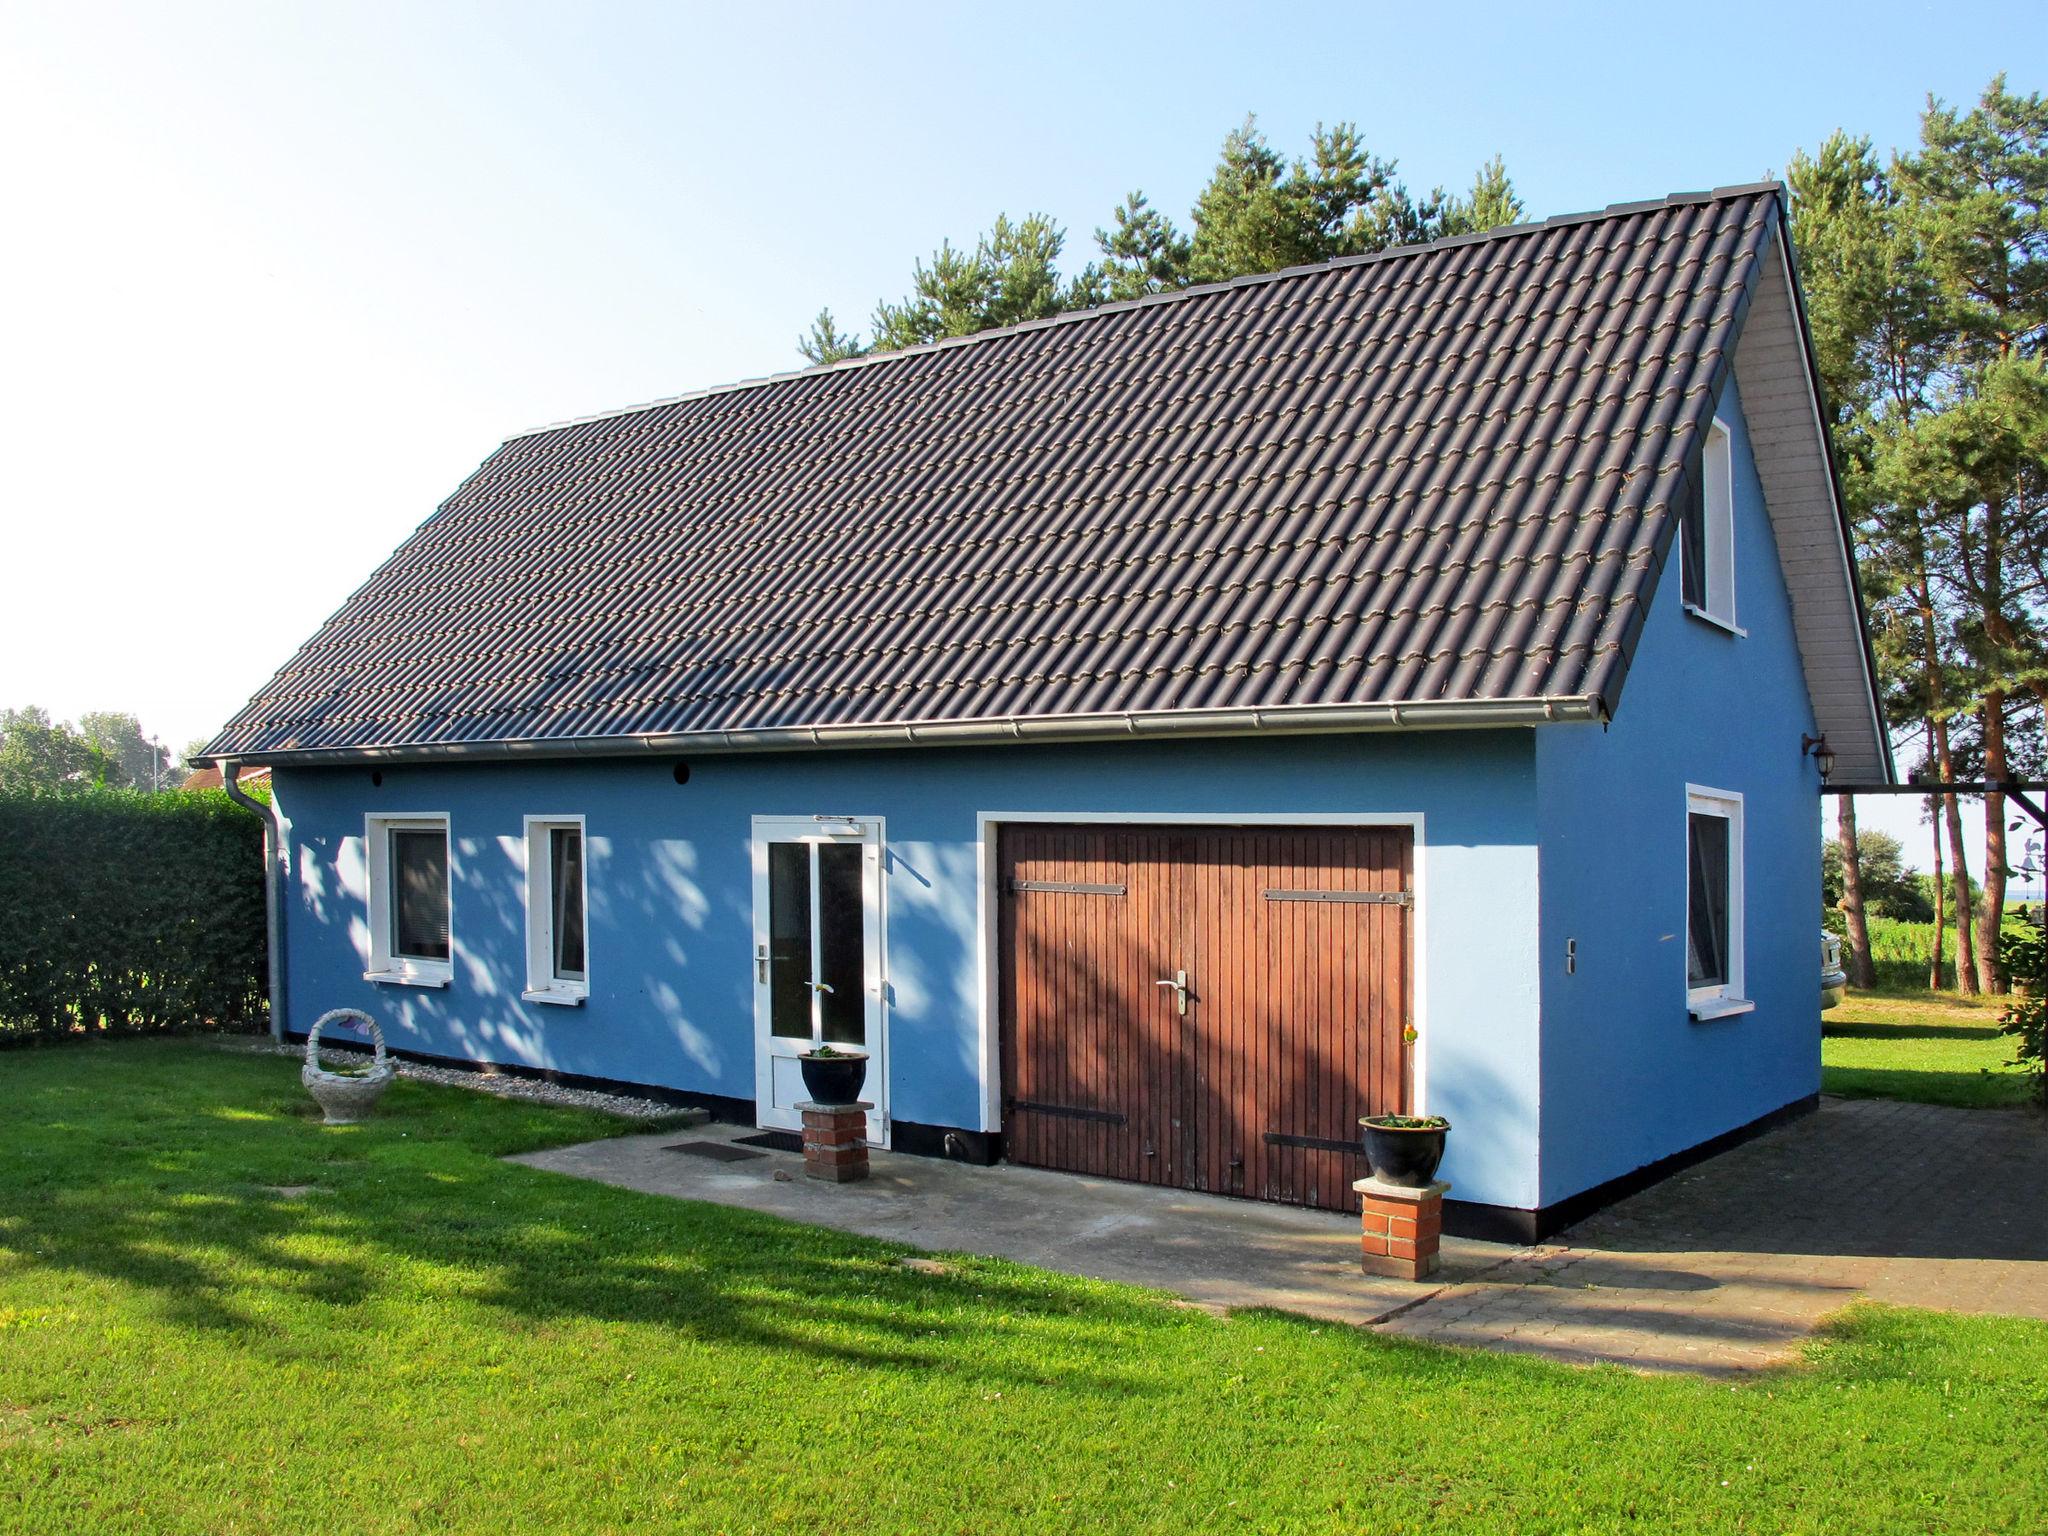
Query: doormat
778	1141
717	1151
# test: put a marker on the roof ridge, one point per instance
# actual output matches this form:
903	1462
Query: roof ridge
1119	306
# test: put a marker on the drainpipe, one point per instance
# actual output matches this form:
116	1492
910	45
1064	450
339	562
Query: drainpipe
273	886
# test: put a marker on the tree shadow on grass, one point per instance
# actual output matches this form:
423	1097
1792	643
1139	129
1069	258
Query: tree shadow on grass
1857	1030
170	1185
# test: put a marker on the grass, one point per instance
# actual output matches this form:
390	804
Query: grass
432	1340
1932	1047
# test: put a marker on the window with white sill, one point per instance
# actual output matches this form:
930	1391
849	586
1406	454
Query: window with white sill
411	935
557	958
1713	904
1707	553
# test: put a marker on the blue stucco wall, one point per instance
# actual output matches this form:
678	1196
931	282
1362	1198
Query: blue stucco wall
1627	1076
671	925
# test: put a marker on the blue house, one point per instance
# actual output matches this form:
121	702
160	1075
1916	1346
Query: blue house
1158	735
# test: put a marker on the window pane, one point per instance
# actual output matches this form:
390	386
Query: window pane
419	881
843	947
1692	538
789	940
1706	935
565	860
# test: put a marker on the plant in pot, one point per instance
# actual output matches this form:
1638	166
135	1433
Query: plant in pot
1405	1149
833	1075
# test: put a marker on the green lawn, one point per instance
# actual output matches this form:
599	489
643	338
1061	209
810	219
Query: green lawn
433	1340
1936	1048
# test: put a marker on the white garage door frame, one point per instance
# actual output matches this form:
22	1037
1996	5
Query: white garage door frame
988	824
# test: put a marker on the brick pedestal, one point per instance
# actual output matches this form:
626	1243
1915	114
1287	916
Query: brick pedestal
835	1141
1402	1228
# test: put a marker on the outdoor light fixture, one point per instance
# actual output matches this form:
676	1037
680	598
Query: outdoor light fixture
1823	755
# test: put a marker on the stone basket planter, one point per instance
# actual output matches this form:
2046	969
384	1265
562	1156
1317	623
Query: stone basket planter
345	1097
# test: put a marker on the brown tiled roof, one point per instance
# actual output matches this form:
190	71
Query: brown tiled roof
1439	479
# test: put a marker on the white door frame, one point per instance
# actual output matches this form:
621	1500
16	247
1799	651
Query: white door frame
872	834
989	823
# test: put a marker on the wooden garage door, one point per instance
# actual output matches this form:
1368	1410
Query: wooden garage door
1295	947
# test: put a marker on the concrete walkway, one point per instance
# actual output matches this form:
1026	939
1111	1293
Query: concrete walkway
1213	1251
1729	1267
1724	1269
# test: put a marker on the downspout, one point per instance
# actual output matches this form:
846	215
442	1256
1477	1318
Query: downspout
273	887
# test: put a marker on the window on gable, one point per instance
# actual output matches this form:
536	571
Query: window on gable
1707	534
1713	904
557	965
410	929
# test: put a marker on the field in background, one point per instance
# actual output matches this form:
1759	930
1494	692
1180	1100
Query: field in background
1899	953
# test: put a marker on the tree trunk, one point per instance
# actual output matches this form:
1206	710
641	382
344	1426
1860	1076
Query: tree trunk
1991	913
1945	767
1959	884
1934	977
1861	972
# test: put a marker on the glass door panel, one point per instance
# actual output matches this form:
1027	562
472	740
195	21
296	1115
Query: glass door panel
842	944
789	940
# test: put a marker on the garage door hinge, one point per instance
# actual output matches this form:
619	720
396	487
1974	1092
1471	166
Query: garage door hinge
1068	887
1383	898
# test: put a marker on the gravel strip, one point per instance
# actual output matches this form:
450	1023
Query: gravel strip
534	1090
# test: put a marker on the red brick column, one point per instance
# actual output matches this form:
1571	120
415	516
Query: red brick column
1402	1228
835	1141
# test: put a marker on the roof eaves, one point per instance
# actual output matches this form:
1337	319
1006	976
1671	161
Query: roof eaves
1453	714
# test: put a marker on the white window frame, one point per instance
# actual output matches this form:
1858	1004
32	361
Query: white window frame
1723	998
385	966
1717	512
542	984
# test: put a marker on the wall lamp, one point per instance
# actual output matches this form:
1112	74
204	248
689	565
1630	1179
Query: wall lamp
1823	754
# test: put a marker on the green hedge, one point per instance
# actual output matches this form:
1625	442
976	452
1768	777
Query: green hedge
124	910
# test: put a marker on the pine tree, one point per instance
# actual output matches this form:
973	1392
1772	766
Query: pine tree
1927	282
1144	254
826	343
1258	213
1491	204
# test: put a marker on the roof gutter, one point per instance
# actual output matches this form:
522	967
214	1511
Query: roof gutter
273	887
1298	719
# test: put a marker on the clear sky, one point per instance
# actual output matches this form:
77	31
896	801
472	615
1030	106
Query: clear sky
277	276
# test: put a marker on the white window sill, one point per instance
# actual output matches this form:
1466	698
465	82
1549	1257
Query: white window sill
1719	1007
561	997
411	977
1728	626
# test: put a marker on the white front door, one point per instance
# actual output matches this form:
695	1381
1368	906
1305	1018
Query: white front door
817	958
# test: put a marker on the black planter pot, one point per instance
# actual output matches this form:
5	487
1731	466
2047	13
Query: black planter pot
834	1079
1403	1156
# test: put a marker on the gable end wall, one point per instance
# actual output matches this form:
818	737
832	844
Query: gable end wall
1628	1076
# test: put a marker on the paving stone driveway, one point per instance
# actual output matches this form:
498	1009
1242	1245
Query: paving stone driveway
1729	1266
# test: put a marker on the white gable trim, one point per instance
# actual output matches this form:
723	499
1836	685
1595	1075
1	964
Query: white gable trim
1788	439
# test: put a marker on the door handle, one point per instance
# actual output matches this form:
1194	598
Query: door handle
1179	983
821	986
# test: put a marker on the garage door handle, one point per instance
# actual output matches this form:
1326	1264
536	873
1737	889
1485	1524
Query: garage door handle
1179	983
